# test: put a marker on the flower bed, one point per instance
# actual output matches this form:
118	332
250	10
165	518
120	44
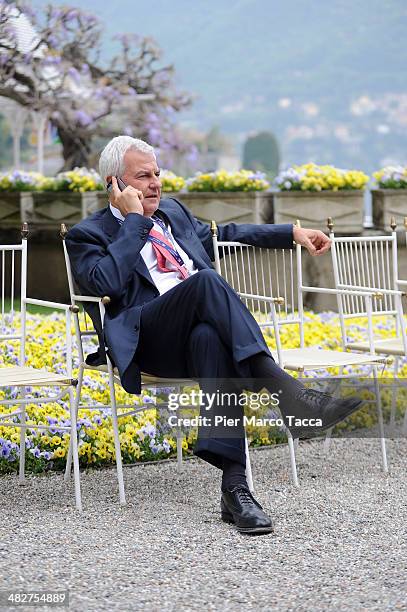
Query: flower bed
18	180
390	199
312	177
243	180
141	439
79	180
392	177
170	182
311	193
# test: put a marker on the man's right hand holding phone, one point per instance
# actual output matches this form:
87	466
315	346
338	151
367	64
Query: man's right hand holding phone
130	200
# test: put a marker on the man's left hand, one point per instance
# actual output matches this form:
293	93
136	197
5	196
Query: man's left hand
315	241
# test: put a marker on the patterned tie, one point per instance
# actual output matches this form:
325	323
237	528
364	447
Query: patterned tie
164	251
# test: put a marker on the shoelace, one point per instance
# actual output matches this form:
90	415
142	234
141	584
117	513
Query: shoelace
244	495
318	397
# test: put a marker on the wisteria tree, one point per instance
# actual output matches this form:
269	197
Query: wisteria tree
50	62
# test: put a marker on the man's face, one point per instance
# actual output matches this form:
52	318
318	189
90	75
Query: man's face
142	172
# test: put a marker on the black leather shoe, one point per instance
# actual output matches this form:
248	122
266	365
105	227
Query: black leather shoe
311	404
239	507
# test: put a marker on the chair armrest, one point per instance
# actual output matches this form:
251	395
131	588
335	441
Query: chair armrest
101	301
46	304
372	290
90	298
327	290
263	298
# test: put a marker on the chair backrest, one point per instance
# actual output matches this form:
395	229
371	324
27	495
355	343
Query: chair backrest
84	325
260	275
13	275
367	262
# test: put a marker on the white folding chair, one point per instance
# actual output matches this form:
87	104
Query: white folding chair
269	281
85	328
24	378
370	263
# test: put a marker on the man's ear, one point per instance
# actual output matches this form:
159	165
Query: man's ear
108	180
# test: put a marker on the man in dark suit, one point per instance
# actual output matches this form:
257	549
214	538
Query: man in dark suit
172	315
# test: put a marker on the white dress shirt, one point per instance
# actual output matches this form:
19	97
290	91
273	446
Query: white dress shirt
162	280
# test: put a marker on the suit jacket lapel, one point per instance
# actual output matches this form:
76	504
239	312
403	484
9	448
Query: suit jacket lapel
181	235
111	226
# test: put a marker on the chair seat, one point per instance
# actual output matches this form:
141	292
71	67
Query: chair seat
386	346
313	359
146	379
17	376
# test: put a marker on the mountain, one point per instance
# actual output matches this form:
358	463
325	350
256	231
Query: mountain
328	78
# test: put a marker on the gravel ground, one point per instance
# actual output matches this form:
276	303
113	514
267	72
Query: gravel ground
339	542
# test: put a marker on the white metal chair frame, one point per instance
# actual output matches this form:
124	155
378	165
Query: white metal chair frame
148	382
23	377
287	289
370	263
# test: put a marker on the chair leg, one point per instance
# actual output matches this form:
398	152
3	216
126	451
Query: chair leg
249	475
394	397
380	420
327	441
328	436
23	429
291	448
404	428
179	437
74	445
77	402
118	453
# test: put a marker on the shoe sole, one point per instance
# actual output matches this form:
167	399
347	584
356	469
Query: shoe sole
314	430
228	518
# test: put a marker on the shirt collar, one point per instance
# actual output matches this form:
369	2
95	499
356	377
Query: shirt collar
116	212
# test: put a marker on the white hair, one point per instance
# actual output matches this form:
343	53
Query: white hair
111	161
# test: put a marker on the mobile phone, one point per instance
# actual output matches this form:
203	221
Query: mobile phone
121	185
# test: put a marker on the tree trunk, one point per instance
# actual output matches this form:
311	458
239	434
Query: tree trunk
75	149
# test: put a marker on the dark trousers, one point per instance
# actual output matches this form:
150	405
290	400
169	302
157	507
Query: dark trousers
201	329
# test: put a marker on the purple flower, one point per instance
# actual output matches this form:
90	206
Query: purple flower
72	14
149	430
85	422
52	60
5	452
155	448
56	13
74	74
149	400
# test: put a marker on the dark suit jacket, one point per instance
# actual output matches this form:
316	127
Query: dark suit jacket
106	261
